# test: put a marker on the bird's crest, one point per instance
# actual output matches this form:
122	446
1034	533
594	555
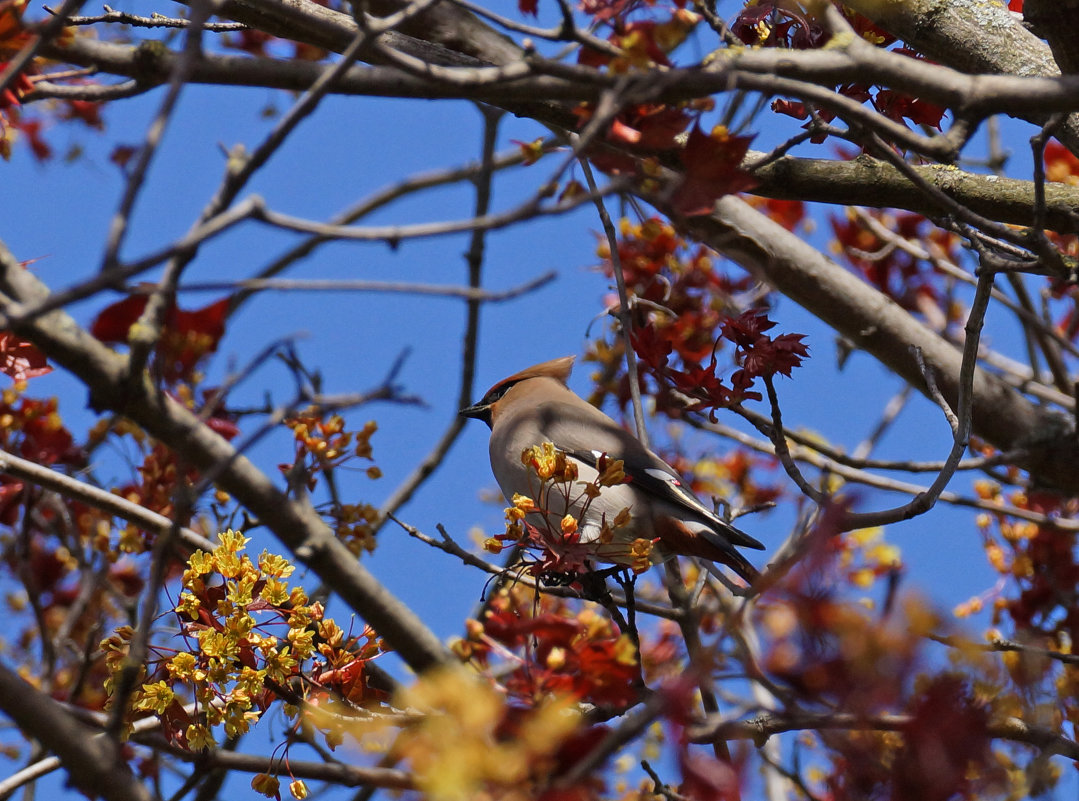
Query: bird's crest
556	368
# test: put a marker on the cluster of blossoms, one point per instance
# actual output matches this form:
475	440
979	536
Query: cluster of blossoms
547	646
187	337
471	743
326	440
246	634
323	443
542	521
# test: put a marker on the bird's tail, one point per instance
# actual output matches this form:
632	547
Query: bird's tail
705	542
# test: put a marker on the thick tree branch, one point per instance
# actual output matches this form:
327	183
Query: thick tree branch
866	181
776	71
94	764
862	181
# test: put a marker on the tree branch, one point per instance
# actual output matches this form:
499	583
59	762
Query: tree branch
94	764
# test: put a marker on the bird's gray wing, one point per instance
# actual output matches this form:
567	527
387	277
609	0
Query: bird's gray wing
658	479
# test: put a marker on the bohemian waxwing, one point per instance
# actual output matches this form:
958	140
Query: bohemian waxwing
535	406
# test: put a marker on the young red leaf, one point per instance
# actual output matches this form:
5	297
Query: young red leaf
713	169
11	497
113	322
652	347
187	336
208	321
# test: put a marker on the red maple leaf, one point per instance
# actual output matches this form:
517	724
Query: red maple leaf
89	112
762	355
186	338
746	329
32	130
11	496
897	105
651	347
713	168
113	323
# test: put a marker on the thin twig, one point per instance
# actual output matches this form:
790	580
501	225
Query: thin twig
624	314
821	460
155	21
200	13
341	285
934	390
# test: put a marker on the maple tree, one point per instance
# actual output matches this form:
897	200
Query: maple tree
193	595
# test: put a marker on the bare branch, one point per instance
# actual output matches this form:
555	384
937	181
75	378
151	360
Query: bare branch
95	765
762	728
98	498
359	285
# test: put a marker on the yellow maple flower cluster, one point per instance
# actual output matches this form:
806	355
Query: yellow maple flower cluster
458	749
329	445
354	524
326	439
558	479
246	635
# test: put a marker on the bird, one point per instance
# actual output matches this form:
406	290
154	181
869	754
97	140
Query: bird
536	406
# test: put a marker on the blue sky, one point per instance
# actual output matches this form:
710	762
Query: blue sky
58	214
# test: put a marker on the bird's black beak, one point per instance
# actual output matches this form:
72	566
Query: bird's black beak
478	411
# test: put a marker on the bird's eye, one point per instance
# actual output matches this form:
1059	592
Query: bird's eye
497	393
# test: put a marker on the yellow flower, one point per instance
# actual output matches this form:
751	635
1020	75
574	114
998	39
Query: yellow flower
613	473
273	565
275	591
265	784
189	605
625	652
199	737
182	666
640	551
303	642
198	564
524	504
542	458
329	631
154	697
863	577
232	541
